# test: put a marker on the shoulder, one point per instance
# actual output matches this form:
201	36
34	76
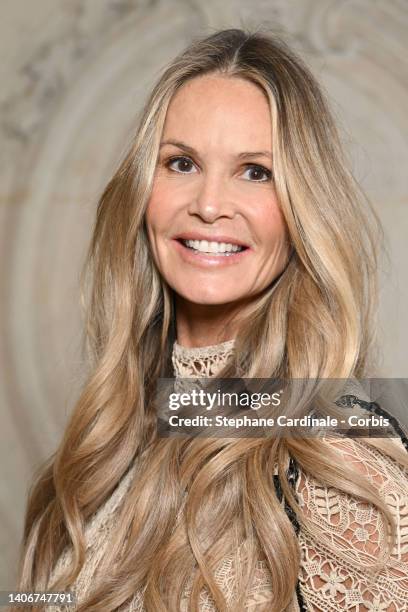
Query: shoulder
373	460
386	474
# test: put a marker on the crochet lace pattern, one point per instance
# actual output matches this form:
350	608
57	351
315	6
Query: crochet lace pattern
201	362
327	582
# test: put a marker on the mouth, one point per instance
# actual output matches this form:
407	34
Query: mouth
220	248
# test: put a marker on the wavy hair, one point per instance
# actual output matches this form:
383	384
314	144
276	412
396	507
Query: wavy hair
192	501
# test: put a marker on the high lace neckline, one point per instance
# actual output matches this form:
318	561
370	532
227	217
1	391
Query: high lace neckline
202	351
202	361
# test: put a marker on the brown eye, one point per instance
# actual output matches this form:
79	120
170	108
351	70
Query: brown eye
180	164
259	174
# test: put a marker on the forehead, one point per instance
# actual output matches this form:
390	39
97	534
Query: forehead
208	105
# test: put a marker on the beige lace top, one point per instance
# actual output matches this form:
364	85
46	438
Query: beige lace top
327	583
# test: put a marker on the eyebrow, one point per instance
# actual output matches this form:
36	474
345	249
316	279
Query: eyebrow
192	151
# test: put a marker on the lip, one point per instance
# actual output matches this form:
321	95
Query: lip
208	260
218	238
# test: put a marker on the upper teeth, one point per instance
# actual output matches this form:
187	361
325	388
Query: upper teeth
212	247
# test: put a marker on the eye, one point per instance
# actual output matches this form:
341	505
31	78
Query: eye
257	171
183	164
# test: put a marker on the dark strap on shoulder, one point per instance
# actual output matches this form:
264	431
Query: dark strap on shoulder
349	401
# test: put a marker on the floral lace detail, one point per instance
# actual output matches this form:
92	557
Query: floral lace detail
328	582
335	582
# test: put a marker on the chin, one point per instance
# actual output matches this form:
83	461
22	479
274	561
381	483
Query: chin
208	296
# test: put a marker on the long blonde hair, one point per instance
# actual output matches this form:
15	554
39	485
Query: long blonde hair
316	321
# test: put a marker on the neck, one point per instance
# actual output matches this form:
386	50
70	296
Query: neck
201	325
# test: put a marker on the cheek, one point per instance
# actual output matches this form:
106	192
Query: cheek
162	206
270	224
155	215
152	208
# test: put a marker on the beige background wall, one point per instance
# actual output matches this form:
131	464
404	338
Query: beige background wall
73	74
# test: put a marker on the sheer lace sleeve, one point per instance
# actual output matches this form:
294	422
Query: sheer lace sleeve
332	582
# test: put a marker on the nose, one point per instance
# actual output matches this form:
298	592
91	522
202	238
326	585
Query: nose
211	200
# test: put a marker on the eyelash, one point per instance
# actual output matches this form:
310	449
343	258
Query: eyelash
267	172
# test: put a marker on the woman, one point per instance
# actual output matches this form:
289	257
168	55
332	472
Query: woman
231	239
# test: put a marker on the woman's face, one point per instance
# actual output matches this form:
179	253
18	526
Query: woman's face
214	224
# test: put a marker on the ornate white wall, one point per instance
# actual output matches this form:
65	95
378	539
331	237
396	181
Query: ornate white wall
73	75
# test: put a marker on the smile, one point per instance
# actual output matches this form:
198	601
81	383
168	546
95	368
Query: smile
214	254
215	248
